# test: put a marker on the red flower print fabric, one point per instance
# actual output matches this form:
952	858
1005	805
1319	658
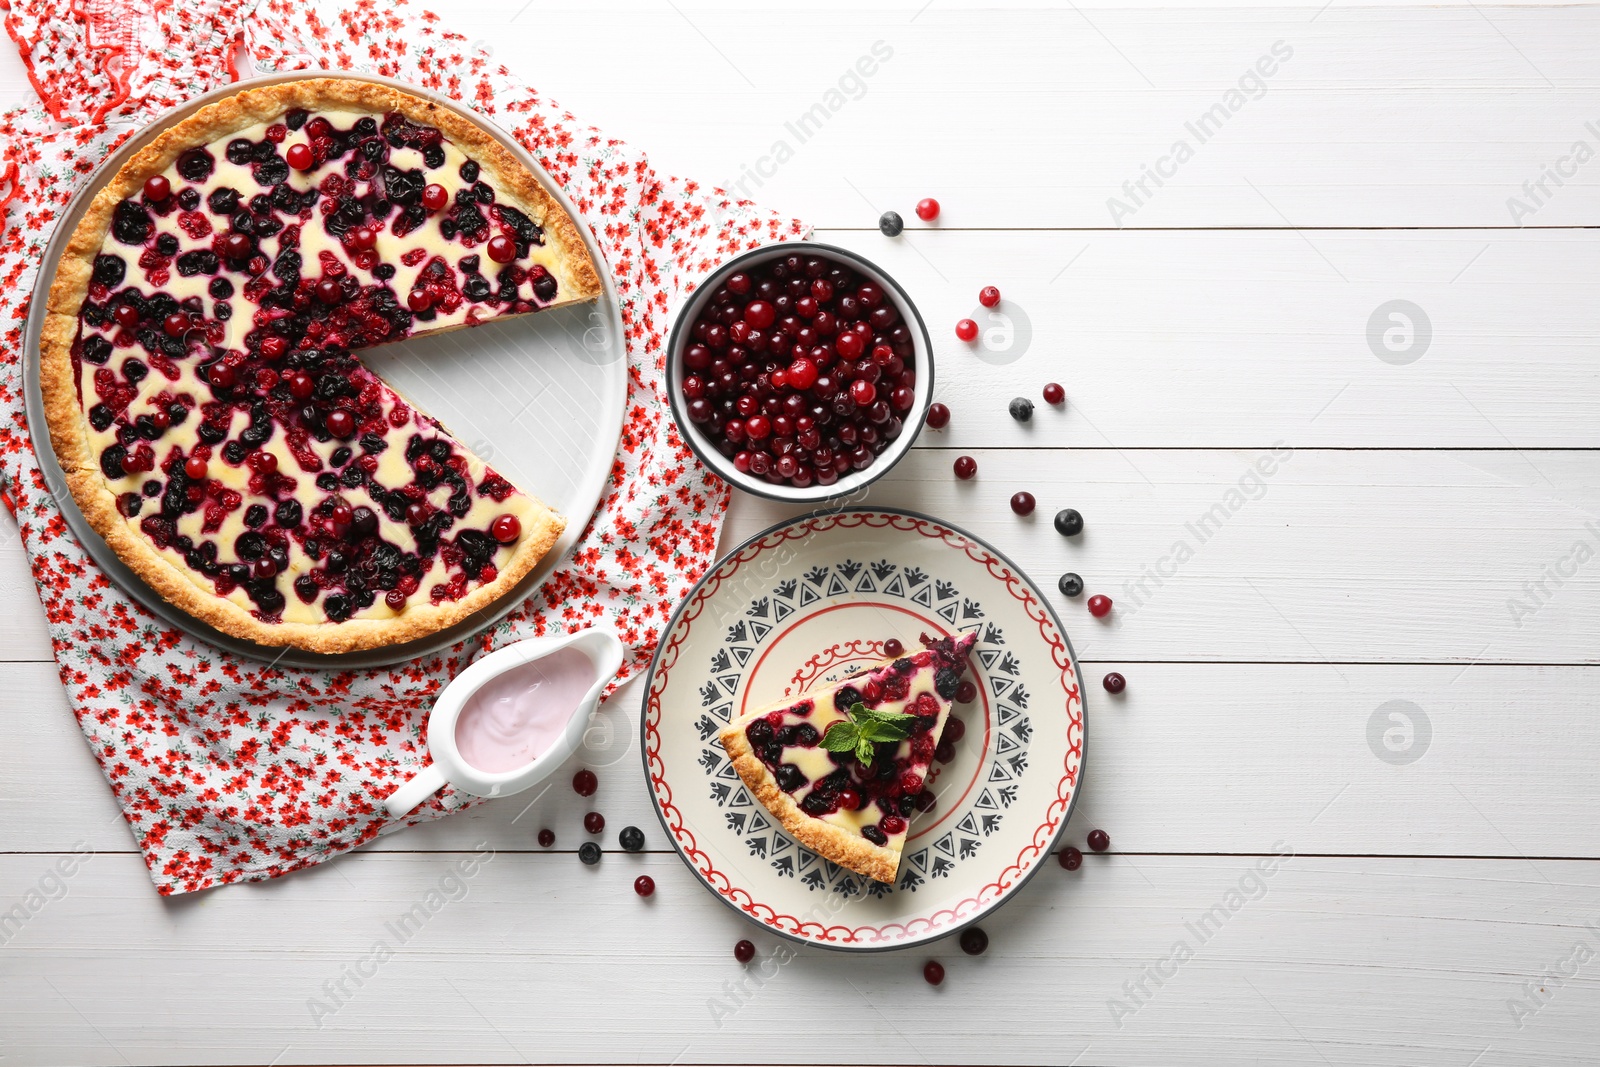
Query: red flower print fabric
229	770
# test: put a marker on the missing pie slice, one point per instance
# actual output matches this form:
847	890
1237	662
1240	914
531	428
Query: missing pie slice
817	785
198	371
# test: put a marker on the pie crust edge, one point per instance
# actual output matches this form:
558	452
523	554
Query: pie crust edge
66	420
826	840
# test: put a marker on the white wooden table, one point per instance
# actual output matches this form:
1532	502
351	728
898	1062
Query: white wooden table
1442	905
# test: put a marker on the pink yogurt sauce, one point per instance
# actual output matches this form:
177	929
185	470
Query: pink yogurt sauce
515	718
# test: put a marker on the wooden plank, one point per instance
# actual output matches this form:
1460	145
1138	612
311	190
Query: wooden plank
1271	751
1228	339
1037	116
537	958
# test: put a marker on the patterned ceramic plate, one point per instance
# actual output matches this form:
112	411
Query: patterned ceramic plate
807	603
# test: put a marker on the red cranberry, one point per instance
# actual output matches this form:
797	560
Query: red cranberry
944	752
966	467
300	157
195	468
361	238
967	330
175	324
1114	683
584	783
434	197
419	300
863	392
1099	840
342	515
744	952
974	942
760	314
927	209
274	347
739	284
644	885
594	822
263	568
157	188
547	838
893	649
341	423
933	970
220	375
1099	606
988	296
757	427
126	315
263	462
395	599
237	246
1070	858
849	345
903	398
938	416
329	291
954	730
893	824
502	249
505	529
1054	394
1022	503
300	385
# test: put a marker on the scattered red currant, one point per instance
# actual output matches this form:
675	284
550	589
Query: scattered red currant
965	467
547	838
300	157
1054	394
584	783
967	330
988	296
927	209
644	885
1099	606
195	468
744	951
1022	503
938	416
933	970
434	197
1099	840
1114	683
1071	858
594	822
505	529
157	188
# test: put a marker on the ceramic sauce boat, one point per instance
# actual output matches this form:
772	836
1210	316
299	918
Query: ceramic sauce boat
513	717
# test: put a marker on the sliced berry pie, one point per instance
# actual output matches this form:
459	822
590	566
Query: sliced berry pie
844	768
198	374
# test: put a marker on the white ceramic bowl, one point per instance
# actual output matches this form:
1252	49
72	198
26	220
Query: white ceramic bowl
922	358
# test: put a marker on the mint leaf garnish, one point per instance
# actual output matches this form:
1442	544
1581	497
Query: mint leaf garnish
863	728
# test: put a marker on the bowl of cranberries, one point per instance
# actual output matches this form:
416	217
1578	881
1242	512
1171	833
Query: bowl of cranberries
799	371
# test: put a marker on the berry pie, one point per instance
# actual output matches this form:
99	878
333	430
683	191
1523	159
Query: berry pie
845	768
199	375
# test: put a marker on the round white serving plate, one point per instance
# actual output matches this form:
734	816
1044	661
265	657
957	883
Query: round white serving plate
806	603
538	397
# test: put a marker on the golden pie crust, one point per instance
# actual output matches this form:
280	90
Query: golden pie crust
578	281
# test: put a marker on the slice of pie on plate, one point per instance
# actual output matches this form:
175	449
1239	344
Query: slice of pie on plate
198	377
843	767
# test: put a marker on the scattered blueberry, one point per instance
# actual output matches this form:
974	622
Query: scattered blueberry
631	839
1069	523
890	223
1070	585
1021	409
589	853
974	942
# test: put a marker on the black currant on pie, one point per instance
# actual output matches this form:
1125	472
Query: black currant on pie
200	376
853	802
